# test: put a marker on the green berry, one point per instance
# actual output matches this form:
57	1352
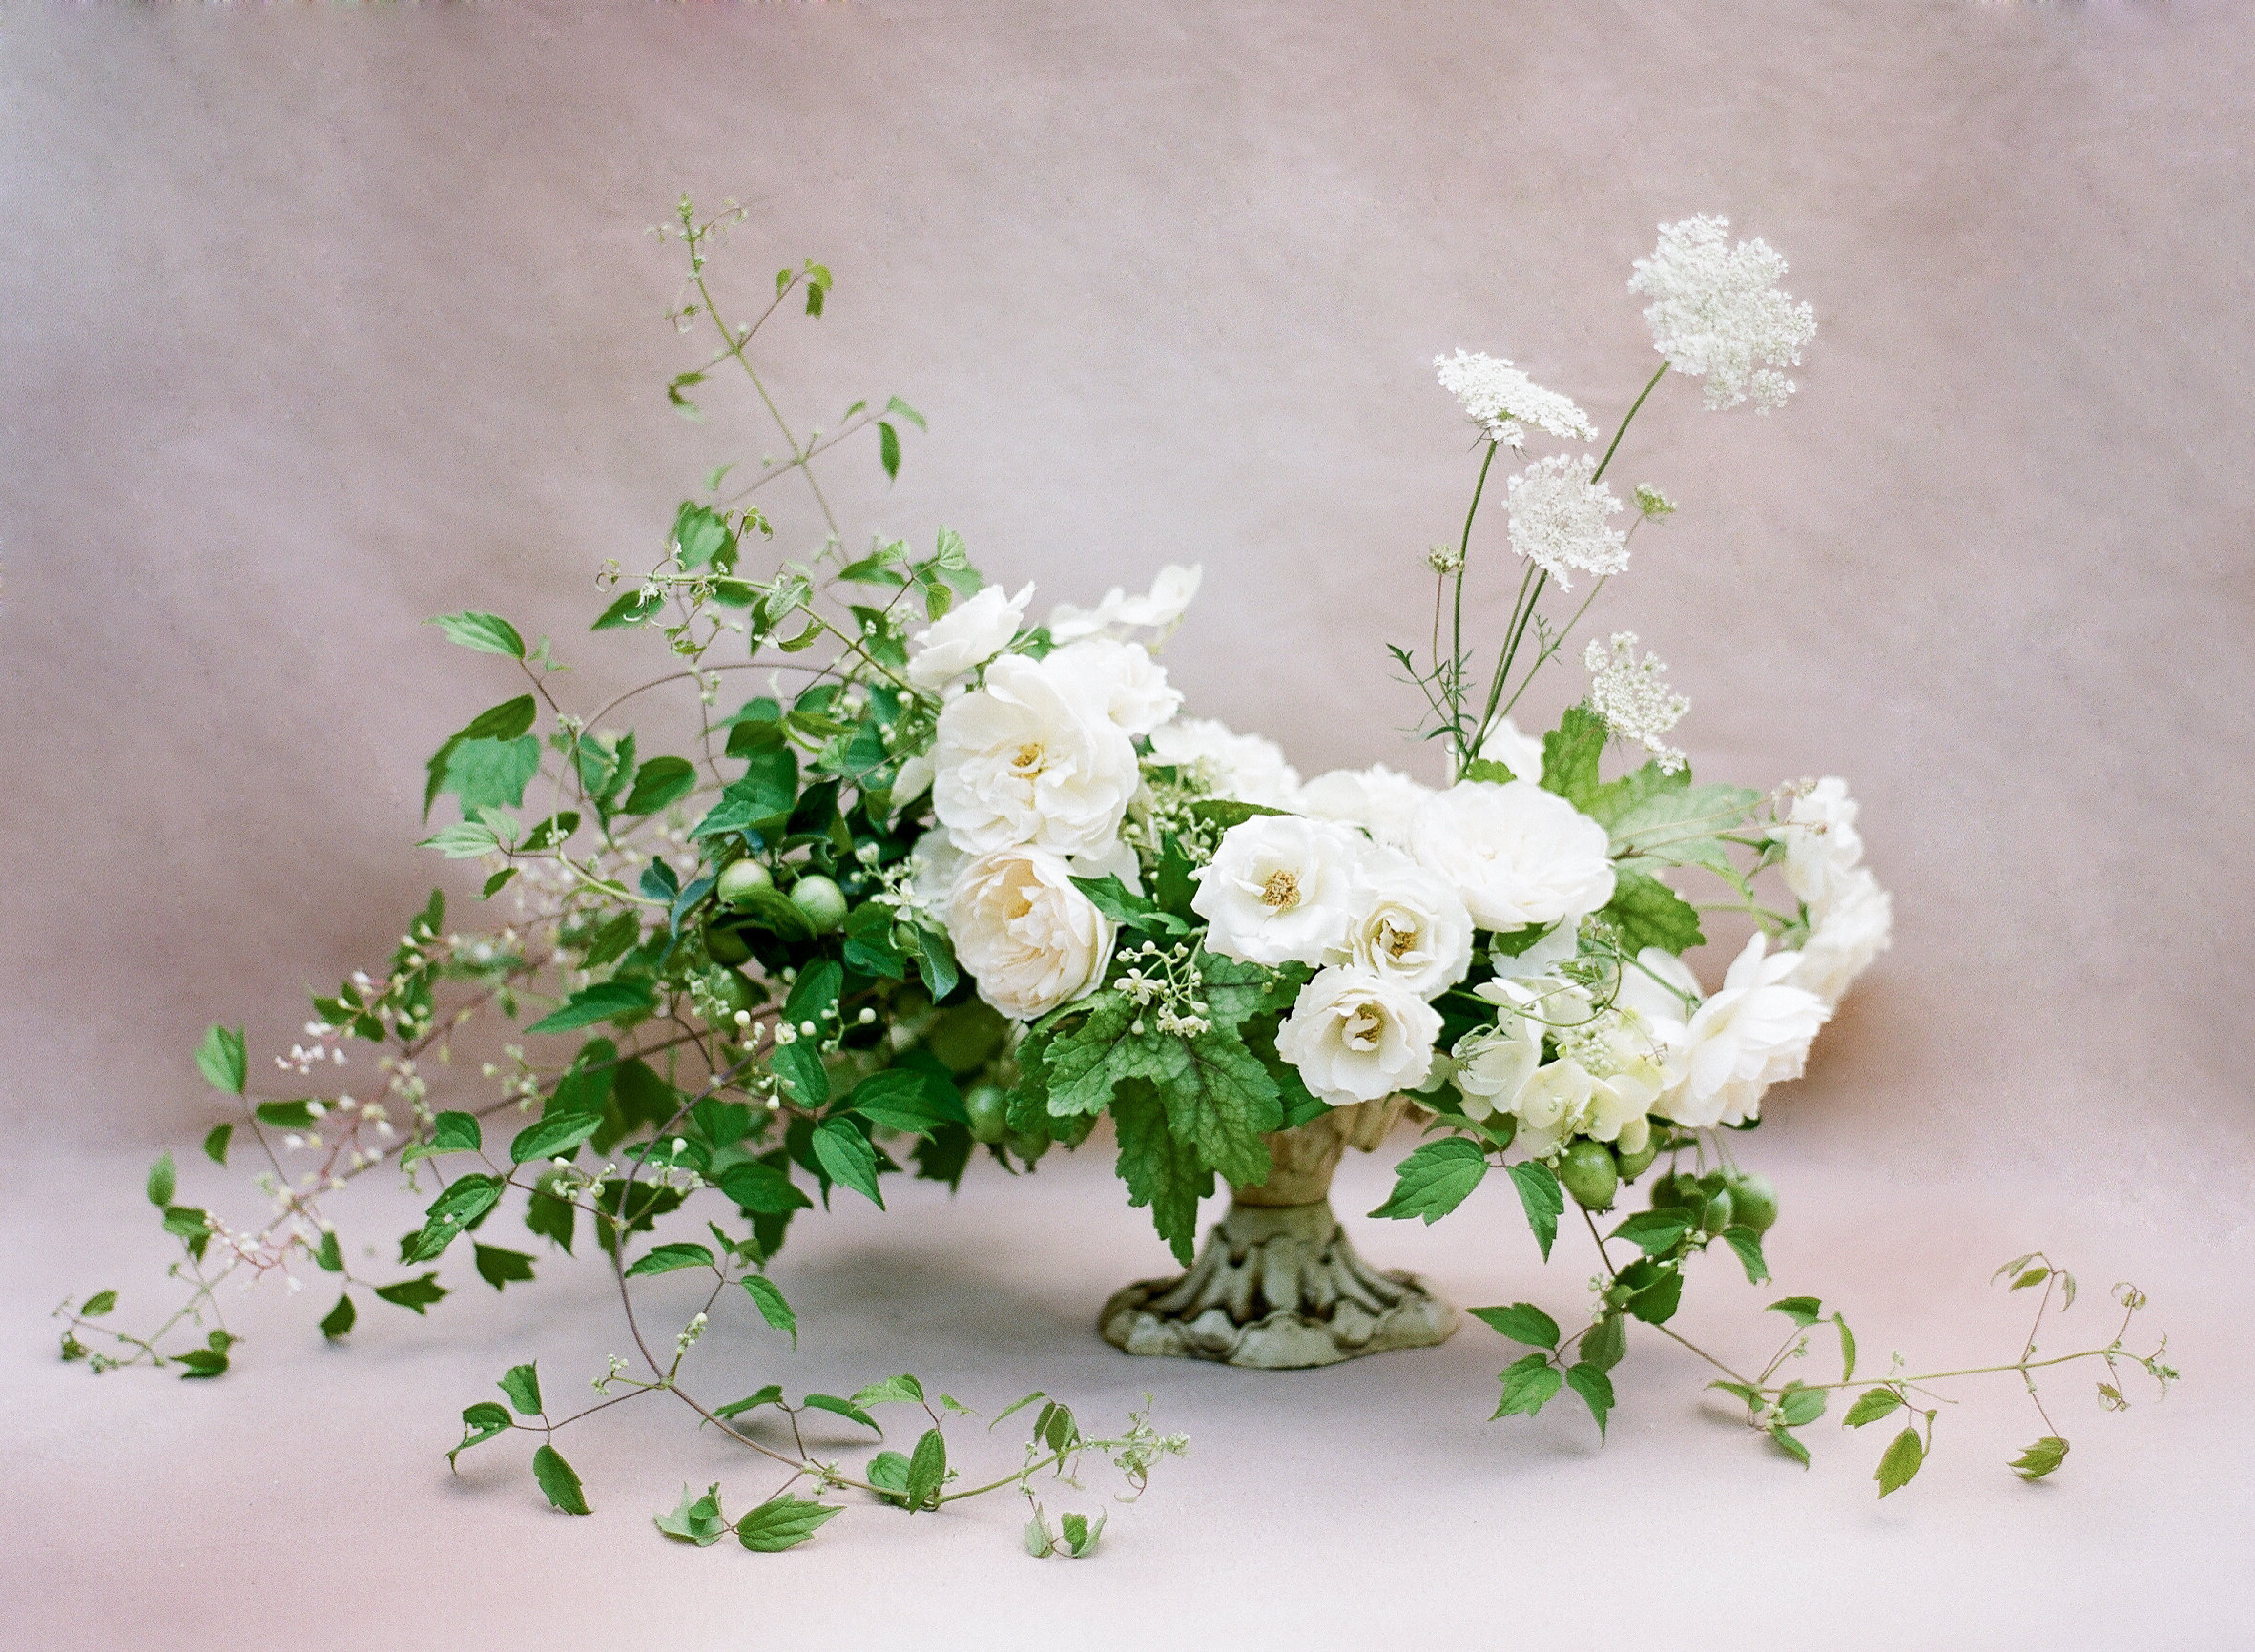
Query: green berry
989	1110
822	901
726	946
1590	1174
1029	1145
740	880
1636	1164
1674	1192
1721	1211
1753	1201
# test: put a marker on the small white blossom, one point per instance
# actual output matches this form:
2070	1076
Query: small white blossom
1632	697
1501	399
1557	519
1717	313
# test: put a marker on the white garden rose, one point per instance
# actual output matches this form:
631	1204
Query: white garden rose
1357	1038
1851	928
1170	595
1407	924
1027	938
1028	759
1280	889
1123	678
1518	854
937	860
1753	1033
1822	845
1246	767
966	636
1377	799
1520	753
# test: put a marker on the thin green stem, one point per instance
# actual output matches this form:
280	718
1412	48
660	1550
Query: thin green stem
1650	386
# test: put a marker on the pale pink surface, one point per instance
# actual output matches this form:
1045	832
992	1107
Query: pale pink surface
316	323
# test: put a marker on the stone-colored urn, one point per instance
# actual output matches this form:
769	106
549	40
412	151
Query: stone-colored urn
1276	1285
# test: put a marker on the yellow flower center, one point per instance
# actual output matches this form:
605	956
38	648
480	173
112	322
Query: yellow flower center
1281	892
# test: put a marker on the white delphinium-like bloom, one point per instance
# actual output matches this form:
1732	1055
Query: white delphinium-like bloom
1029	760
1170	597
1246	767
966	636
1121	677
1517	854
1717	313
1753	1033
1357	1038
1631	696
1028	938
1501	399
1851	927
1557	519
1280	889
1377	799
1407	924
1520	753
1821	842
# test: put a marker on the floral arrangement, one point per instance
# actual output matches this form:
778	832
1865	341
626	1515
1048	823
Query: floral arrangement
970	882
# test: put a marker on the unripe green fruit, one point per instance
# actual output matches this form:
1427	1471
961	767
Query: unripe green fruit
740	880
1753	1201
1029	1145
1636	1164
989	1110
822	901
1720	1210
732	991
1674	1192
726	946
1587	1169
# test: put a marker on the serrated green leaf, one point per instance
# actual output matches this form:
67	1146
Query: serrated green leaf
771	1394
2041	1458
222	1060
1654	1232
1543	1198
1870	1406
1749	1245
490	774
453	1214
781	1523
1596	1390
500	1268
463	840
1570	753
487	634
846	1153
1529	1386
763	1189
328	1256
1744	1390
1606	1344
1801	1310
669	1259
97	1304
1435	1180
892	1390
417	1293
1522	1322
480	1423
558	1482
1162	1173
1786	1443
1799	1404
629	609
772	1305
696	1520
1647	913
1901	1462
522	1384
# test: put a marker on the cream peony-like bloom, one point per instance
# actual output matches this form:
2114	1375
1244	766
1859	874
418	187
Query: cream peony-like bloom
1029	760
1822	845
1376	799
1520	753
1170	595
1852	927
1280	889
1356	1036
1517	854
1123	678
1246	767
1028	938
1406	924
1754	1033
966	636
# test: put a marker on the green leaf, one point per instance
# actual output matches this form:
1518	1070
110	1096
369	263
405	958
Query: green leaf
480	1423
453	1214
774	910
1162	1173
328	1256
1744	1390
782	1522
214	1142
896	1100
888	448
770	1304
552	1218
605	1001
1903	1458
1435	1180
1529	1386
658	782
1799	1404
1229	812
669	1258
894	405
417	1293
339	1319
1749	1245
2041	1458
1488	771
700	536
629	609
771	1394
1522	1322
1654	1232
1657	1296
556	1137
1801	1310
1596	1390
2034	1276
1172	883
1614	800
1648	913
846	1154
500	1268
490	774
696	1520
456	1133
1706	810
285	1115
1542	1198
487	634
221	1060
1570	753
522	1384
1870	1406
1218	1096
927	1470
814	995
192	1226
763	1189
161	1180
463	840
1788	1444
892	1390
844	1408
1606	1344
558	1482
1846	1349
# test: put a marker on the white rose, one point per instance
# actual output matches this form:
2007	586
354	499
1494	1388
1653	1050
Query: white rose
1376	799
1518	854
1852	928
1821	842
1407	924
966	636
1605	1077
1520	753
1661	988
1753	1033
1123	678
938	861
1357	1038
1026	934
1280	888
1026	759
1169	596
1246	767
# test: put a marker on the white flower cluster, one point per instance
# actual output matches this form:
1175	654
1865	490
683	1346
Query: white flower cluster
1500	399
1716	313
1630	695
1557	519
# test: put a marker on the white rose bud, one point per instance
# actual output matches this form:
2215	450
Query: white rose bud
1279	889
1026	759
1518	854
1407	924
1357	1038
966	636
1027	935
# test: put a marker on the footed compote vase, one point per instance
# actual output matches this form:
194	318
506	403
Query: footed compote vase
1277	1284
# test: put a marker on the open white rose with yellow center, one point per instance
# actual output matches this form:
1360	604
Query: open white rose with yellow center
1408	924
1517	854
966	636
1029	760
1028	936
1753	1033
1278	890
1357	1038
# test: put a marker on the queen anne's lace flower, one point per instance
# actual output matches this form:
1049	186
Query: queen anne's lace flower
1717	313
1501	399
1632	697
1557	519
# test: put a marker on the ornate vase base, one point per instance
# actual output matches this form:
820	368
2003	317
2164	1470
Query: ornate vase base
1276	1288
